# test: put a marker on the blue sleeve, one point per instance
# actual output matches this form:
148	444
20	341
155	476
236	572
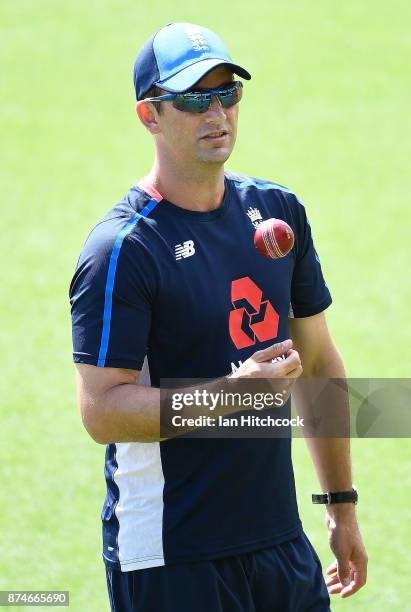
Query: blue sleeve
309	292
111	295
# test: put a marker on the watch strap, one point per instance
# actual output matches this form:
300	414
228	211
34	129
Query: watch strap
336	497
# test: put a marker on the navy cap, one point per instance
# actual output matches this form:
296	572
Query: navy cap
179	55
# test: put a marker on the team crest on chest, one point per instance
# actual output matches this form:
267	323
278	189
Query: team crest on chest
255	216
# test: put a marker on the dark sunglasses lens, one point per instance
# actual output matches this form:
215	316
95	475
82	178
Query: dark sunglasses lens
231	96
200	103
191	103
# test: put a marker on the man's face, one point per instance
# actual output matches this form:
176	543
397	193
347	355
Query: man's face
189	137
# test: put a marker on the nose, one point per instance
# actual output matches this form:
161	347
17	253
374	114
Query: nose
216	111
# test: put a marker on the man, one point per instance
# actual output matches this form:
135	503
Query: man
169	285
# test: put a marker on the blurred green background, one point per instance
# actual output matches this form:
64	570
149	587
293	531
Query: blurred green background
327	113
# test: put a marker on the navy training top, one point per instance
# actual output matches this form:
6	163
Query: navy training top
189	292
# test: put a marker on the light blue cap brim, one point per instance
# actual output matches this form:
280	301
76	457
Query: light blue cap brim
189	76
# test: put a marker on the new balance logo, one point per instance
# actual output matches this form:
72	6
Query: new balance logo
184	250
255	216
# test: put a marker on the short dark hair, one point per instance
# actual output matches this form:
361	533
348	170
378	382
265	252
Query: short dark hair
154	92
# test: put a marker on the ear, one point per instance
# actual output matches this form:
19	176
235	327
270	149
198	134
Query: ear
148	116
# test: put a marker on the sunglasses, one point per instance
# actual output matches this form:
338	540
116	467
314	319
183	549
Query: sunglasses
200	101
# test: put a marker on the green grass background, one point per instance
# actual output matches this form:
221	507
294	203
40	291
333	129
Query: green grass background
327	113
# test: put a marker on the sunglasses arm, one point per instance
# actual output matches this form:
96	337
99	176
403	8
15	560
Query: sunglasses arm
160	98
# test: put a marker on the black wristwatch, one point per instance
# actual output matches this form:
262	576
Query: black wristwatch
336	497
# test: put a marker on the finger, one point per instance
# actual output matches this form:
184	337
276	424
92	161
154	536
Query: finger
349	590
275	350
358	579
296	373
331	569
331	581
335	589
343	571
285	366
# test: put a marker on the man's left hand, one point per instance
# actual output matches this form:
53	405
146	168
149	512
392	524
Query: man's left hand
348	573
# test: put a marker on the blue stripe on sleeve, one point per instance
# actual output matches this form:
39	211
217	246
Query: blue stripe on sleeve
244	182
111	276
248	182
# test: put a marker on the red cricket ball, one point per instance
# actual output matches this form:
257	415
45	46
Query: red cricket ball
273	238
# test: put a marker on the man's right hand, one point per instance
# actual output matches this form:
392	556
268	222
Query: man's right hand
260	364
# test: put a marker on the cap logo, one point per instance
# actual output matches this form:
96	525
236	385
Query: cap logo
197	39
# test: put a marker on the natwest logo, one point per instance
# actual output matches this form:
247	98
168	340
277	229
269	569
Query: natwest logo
252	318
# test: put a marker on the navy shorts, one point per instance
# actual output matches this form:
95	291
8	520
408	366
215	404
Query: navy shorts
284	578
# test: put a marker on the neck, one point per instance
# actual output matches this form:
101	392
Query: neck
200	188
